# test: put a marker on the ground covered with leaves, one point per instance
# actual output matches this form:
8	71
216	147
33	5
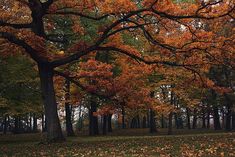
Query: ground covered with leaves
207	145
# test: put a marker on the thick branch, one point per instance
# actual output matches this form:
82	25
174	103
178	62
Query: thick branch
80	15
31	51
71	79
110	48
17	26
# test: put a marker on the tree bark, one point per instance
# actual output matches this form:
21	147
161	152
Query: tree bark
208	119
194	119
233	120
104	124
68	110
144	125
93	120
123	117
203	119
54	132
170	123
188	118
16	125
228	114
35	124
162	121
110	123
153	127
216	118
5	124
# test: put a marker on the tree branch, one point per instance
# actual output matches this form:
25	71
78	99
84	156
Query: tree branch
16	26
31	51
71	79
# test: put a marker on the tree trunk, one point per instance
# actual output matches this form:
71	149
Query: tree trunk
68	110
16	125
228	114
93	123
162	121
5	124
176	121
144	125
148	120
216	118
138	121
110	123
152	121
194	119
208	119
170	124
233	120
203	119
123	117
30	122
54	132
104	124
188	118
35	124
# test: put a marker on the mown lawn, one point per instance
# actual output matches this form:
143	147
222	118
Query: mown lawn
207	145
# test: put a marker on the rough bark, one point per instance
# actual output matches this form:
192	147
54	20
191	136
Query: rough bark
144	124
216	118
110	123
203	119
93	120
123	117
54	132
228	114
104	124
194	119
35	124
233	120
68	110
208	119
16	125
170	123
152	121
162	122
188	118
5	124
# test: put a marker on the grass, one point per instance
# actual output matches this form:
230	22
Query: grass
124	143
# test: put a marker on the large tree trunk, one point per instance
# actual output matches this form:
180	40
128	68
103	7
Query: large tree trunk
152	122
68	110
54	132
110	123
93	120
170	124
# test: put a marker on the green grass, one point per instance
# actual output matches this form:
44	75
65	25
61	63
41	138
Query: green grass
132	144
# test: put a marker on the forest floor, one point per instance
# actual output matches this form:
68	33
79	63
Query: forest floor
128	143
